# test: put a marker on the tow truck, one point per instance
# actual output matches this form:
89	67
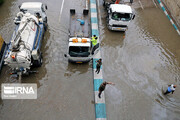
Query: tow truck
119	15
80	48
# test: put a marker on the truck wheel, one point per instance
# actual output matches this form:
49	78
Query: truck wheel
45	20
45	23
45	26
104	3
40	61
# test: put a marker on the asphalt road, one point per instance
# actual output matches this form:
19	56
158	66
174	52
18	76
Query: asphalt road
141	64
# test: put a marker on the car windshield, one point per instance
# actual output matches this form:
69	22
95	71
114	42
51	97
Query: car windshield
121	16
32	11
79	51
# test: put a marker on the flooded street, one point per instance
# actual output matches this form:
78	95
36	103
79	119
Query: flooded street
141	64
64	90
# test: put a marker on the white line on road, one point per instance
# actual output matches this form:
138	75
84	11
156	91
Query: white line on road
141	4
99	12
60	13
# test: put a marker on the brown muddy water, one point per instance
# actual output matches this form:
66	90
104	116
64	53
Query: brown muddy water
141	64
65	91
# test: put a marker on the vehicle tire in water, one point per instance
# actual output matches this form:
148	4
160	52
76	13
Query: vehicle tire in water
38	63
45	26
103	3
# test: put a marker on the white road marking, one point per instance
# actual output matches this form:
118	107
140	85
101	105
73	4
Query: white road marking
99	12
60	13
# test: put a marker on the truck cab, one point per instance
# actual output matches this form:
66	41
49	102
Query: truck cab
34	8
119	16
79	49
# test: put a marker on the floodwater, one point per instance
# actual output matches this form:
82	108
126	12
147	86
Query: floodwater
141	64
65	91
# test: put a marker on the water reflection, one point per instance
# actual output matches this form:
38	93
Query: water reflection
77	69
144	62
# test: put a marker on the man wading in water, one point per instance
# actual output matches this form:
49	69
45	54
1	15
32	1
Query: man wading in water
103	86
171	88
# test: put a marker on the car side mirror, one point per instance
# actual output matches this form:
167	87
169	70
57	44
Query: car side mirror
133	17
19	6
65	55
46	7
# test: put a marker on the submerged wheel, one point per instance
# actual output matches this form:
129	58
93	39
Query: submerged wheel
45	24
104	3
38	63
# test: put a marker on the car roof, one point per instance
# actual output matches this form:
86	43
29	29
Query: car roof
27	5
121	8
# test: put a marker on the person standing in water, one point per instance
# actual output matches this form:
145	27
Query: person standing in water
171	88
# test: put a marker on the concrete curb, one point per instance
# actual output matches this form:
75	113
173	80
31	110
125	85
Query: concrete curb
100	106
163	8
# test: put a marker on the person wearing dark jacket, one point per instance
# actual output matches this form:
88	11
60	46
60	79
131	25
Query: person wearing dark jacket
98	65
103	86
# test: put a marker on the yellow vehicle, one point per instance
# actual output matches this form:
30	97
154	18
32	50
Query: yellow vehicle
3	48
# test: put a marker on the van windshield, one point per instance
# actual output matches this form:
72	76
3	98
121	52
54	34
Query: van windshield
121	16
79	51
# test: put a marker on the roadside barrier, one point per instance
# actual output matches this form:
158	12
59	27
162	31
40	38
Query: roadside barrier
100	106
163	8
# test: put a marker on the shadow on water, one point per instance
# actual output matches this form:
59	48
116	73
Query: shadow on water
115	40
77	69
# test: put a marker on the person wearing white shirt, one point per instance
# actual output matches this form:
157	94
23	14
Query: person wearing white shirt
171	88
